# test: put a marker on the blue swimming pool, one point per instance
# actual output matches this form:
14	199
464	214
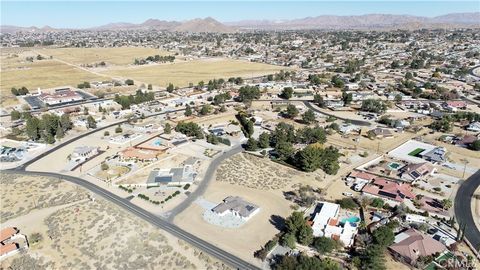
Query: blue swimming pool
157	142
352	220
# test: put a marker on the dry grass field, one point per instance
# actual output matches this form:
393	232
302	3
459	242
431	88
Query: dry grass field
112	56
183	73
85	234
43	74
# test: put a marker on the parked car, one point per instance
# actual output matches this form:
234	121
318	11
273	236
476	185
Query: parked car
348	194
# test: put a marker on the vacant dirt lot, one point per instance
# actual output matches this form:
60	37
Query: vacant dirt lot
86	234
260	173
183	73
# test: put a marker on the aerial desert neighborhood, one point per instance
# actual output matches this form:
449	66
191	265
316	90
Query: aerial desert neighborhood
223	135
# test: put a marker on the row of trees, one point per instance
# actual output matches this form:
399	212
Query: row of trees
20	91
139	97
48	127
156	59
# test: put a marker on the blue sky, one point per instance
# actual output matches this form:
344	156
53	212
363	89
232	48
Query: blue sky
82	14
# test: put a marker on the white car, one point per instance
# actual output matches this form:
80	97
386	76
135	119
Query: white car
348	194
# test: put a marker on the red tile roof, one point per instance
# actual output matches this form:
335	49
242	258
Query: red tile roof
389	189
4	249
7	233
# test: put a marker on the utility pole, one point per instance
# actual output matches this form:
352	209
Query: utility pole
465	162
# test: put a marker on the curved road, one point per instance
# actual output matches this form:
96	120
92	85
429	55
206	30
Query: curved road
140	212
463	208
353	121
205	182
149	217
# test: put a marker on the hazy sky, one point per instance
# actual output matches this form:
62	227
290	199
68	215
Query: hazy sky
79	14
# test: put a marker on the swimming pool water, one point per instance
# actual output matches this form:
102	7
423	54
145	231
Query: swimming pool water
352	219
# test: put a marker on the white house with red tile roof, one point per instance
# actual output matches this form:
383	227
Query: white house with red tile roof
389	190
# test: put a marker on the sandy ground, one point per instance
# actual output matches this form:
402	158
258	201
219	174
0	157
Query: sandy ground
89	234
259	181
252	235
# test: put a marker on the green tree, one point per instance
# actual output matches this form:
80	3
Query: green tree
284	149
291	111
288	240
409	75
287	93
206	109
106	133
347	97
264	140
475	145
377	203
91	123
129	82
347	203
15	115
374	257
251	145
167	129
447	204
383	236
190	129
188	110
308	117
318	99
59	133
324	245
104	166
33	128
118	129
248	93
170	88
305	234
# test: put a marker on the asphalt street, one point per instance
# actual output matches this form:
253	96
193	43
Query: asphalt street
463	208
149	217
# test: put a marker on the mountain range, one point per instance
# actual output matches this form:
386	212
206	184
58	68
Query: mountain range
326	22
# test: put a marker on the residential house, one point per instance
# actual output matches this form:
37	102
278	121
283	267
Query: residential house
326	223
475	127
236	206
380	133
388	190
414	172
453	105
412	244
436	155
84	152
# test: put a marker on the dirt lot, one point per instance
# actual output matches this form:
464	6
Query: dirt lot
259	181
89	234
183	73
113	56
261	173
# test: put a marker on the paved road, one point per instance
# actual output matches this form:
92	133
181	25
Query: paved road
463	208
353	121
140	212
204	183
149	217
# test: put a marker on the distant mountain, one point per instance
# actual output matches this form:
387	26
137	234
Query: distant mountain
362	22
195	25
203	25
370	21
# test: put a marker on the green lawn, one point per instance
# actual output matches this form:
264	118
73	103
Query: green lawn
415	152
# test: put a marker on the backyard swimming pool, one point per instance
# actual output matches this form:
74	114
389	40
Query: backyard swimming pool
352	220
157	142
394	166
